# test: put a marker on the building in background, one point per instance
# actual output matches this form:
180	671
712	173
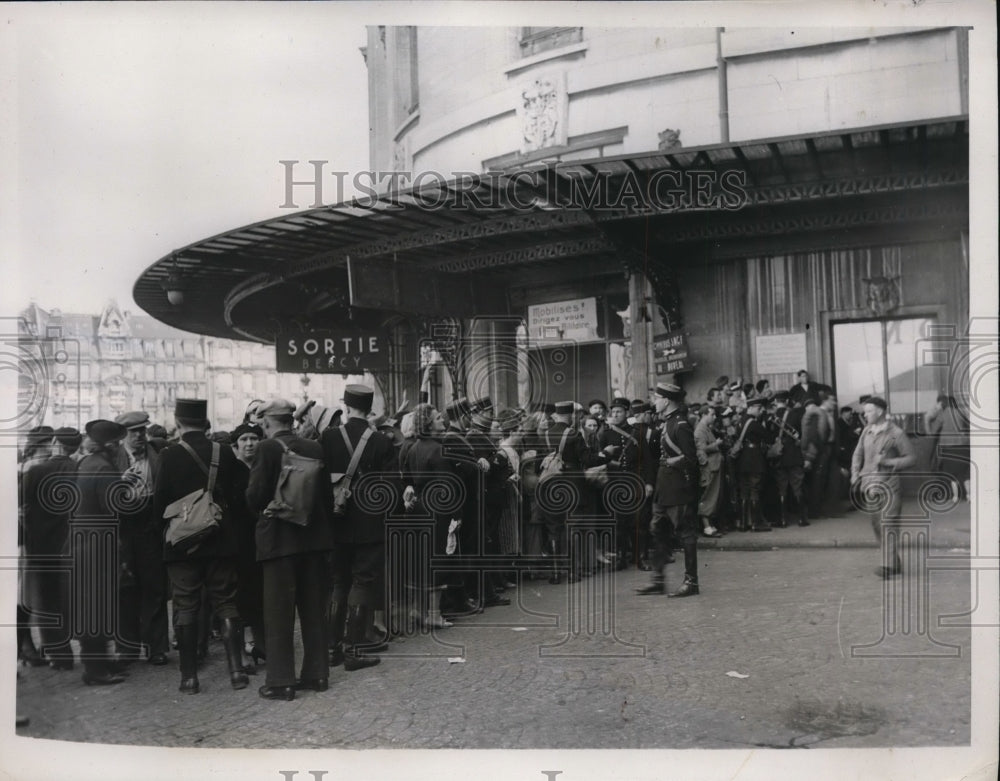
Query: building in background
79	367
575	212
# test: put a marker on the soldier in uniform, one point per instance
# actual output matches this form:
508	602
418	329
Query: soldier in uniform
751	463
210	569
293	562
143	590
675	493
625	452
786	424
576	457
359	553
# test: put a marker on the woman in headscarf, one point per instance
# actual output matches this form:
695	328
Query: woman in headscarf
249	595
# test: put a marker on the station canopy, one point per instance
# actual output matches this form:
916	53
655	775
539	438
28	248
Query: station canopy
452	248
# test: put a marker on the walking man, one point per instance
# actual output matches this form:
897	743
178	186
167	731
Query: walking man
675	493
882	452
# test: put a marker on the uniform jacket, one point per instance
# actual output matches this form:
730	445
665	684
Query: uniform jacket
576	455
752	458
627	458
378	464
179	475
276	538
791	445
676	484
46	514
500	467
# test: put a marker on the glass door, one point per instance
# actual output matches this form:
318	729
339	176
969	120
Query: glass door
888	358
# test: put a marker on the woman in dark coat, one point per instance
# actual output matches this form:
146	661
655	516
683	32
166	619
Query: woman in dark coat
249	595
434	490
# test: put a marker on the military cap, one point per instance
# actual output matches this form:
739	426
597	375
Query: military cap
670	391
457	408
781	395
620	401
751	401
359	397
482	420
480	405
564	407
509	420
191	409
548	408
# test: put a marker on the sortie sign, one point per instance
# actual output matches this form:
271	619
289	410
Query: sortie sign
332	352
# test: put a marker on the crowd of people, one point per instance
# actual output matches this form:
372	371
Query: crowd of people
369	526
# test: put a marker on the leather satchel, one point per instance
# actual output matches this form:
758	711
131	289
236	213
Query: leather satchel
194	518
340	482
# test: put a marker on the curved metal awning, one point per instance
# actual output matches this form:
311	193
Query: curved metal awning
637	211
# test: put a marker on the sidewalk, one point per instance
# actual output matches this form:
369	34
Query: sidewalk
949	529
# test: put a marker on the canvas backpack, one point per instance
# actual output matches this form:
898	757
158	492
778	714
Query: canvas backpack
553	464
295	493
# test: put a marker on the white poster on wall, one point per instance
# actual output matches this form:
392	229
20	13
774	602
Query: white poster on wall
572	320
781	353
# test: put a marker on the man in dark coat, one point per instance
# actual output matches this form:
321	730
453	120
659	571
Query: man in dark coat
143	589
566	440
675	493
209	567
625	453
496	469
98	481
751	464
293	561
786	425
359	555
47	514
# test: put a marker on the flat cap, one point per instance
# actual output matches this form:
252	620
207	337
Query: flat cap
276	408
130	420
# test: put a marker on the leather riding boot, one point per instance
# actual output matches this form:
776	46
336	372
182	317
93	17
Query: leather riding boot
232	638
757	518
187	649
358	619
803	513
336	621
782	521
690	585
556	576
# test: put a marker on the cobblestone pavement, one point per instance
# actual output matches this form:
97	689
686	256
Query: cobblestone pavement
766	656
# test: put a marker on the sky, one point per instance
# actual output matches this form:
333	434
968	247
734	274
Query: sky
139	129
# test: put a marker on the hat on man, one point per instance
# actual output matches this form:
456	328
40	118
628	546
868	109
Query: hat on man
564	408
727	412
670	391
247	428
68	437
509	420
481	405
191	409
276	408
781	395
457	408
482	420
754	400
104	431
592	402
132	420
878	401
621	402
359	397
549	408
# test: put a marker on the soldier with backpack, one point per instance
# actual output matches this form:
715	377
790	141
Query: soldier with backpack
206	563
294	535
362	456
